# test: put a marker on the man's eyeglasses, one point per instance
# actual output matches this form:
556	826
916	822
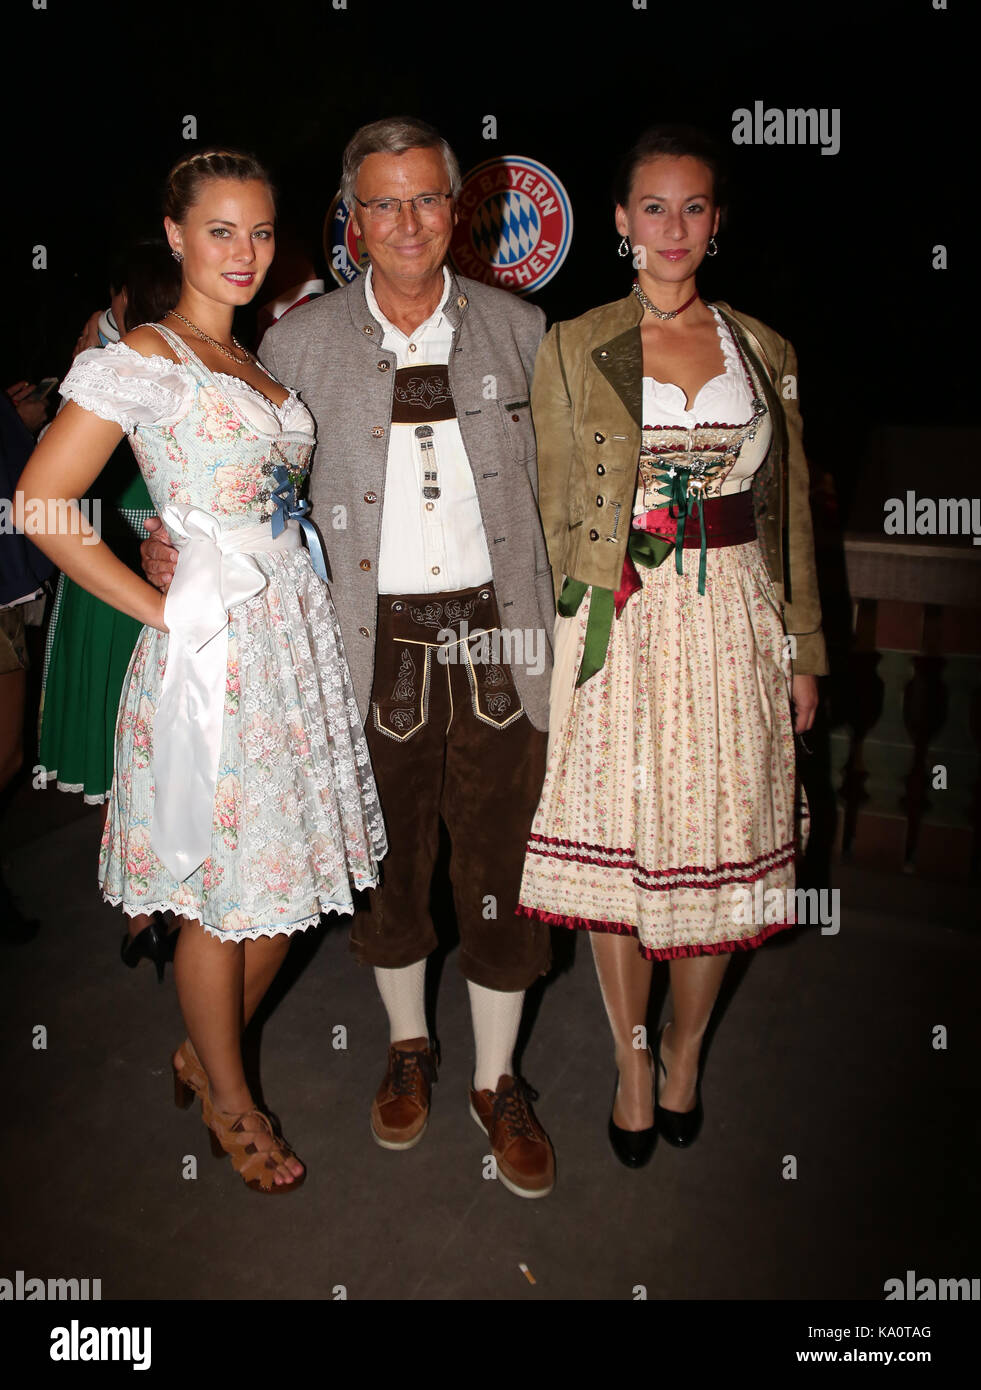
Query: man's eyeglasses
425	205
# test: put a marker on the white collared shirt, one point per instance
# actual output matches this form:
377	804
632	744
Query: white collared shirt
428	545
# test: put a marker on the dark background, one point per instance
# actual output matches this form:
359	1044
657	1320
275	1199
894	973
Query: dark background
833	251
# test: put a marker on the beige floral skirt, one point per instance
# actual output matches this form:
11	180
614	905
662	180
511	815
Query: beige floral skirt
667	811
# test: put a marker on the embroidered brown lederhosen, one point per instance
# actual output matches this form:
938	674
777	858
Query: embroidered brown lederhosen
449	739
447	629
429	624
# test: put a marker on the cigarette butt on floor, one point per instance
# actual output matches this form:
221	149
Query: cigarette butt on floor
527	1273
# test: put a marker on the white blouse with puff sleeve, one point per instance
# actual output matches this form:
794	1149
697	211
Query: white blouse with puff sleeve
119	384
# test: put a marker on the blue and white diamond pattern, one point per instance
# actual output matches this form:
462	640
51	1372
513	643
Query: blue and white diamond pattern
505	228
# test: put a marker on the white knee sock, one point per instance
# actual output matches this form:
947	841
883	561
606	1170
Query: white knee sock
496	1018
403	994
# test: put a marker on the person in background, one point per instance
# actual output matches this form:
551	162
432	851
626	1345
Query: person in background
24	571
89	642
292	281
30	401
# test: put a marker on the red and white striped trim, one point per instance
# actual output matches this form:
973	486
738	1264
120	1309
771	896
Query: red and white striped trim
660	880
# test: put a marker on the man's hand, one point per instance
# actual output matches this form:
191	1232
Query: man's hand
804	694
158	556
90	334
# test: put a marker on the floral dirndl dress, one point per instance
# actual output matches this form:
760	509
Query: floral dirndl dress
292	822
668	808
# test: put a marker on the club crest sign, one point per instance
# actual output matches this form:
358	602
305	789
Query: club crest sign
345	252
515	224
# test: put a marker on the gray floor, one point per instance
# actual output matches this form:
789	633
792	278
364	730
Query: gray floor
823	1051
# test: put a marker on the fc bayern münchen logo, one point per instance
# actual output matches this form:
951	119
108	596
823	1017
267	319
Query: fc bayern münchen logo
515	224
345	252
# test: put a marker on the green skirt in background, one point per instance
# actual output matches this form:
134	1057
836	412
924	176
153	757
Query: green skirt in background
88	649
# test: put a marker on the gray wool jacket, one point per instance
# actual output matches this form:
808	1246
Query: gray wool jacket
330	352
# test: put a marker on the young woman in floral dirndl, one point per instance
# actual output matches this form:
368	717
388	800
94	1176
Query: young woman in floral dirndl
243	799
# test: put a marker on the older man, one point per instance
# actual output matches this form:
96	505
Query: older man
424	485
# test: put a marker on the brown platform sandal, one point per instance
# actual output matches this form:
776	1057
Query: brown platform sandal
190	1077
256	1166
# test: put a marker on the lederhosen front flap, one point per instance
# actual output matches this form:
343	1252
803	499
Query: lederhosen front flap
458	629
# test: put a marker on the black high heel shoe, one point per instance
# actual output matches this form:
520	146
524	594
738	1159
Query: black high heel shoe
633	1147
679	1128
151	942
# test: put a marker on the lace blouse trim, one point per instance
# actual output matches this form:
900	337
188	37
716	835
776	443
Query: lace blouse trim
119	384
109	383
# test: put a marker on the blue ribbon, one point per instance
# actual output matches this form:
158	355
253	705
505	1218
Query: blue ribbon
288	508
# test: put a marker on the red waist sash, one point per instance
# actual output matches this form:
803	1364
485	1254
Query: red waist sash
721	521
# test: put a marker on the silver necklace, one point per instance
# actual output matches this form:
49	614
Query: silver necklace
661	313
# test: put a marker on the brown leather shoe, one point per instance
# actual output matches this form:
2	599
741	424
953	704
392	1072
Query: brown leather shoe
400	1110
525	1161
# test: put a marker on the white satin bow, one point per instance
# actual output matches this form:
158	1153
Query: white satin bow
215	573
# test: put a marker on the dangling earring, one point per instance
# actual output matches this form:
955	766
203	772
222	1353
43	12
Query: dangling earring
624	248
177	257
712	249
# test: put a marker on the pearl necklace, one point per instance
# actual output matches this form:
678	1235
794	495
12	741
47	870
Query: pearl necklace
220	347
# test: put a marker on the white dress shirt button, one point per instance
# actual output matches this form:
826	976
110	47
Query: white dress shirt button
435	545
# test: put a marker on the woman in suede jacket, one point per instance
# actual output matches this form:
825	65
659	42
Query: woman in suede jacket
674	497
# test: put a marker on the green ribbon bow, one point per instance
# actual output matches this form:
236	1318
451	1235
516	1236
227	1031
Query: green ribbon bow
643	548
675	489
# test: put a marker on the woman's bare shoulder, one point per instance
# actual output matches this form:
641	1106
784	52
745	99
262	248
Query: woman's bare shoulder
149	343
